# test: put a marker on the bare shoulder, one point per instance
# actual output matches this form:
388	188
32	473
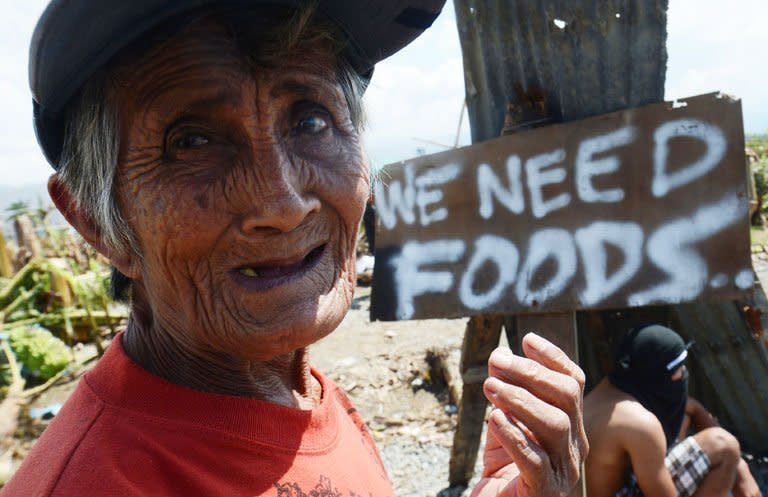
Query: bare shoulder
631	413
615	413
634	423
623	434
615	423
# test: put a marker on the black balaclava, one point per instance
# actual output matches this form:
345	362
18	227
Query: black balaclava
644	363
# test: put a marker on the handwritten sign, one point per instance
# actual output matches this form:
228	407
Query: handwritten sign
638	207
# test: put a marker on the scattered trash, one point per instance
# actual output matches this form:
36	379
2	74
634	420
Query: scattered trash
346	362
350	387
364	266
45	413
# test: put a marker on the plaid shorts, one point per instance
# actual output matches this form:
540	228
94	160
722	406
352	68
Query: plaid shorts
687	464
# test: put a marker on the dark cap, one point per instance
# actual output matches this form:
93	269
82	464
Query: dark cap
74	38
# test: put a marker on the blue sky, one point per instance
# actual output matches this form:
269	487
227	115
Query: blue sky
416	96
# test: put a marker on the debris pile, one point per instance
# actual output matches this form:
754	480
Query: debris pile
55	316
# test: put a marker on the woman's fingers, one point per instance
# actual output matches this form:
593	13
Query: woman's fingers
543	423
553	387
531	460
548	374
553	358
539	413
549	355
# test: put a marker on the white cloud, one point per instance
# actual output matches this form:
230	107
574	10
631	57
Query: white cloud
427	107
416	96
717	46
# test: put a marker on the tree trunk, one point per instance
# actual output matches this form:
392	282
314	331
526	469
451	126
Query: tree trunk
26	236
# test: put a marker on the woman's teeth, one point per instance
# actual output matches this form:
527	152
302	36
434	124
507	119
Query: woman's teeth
247	271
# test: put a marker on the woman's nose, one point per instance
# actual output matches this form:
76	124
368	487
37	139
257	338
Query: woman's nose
281	203
281	212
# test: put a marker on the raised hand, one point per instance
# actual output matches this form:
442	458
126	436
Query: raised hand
536	440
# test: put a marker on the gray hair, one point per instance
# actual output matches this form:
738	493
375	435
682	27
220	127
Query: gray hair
88	163
89	158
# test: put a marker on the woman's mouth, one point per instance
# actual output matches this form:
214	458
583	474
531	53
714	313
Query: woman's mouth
269	275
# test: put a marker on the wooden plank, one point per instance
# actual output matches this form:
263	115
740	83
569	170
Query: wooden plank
638	207
559	328
60	289
480	339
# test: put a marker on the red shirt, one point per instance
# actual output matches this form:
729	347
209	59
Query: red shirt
125	432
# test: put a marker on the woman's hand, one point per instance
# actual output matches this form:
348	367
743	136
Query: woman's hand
536	440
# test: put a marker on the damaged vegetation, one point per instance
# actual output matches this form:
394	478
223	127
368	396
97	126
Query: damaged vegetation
757	159
55	314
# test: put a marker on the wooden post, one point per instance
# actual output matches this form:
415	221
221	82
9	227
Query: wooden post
557	327
480	338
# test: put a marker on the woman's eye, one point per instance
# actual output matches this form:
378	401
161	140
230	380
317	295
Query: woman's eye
311	125
191	140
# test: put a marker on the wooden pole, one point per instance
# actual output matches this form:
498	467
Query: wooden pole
480	338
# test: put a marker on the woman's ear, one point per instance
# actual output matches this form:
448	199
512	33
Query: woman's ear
124	260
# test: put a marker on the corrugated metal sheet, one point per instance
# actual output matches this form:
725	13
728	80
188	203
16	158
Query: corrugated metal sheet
608	55
728	364
729	369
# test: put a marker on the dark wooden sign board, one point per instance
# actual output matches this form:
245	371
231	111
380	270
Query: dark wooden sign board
643	206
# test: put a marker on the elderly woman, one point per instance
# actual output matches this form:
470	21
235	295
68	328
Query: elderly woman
211	150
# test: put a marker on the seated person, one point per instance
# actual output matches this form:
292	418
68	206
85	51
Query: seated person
698	419
633	419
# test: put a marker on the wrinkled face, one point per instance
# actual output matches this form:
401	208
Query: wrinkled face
244	188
